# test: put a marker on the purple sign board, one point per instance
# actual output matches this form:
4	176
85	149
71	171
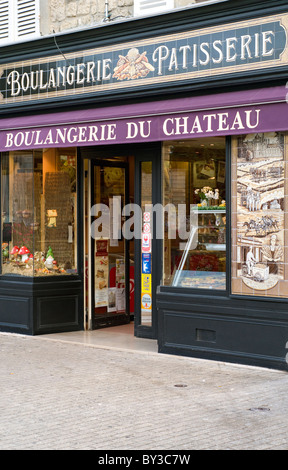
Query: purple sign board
160	127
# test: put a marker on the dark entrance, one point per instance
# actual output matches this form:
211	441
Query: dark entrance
110	263
121	246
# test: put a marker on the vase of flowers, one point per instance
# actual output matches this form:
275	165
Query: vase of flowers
206	194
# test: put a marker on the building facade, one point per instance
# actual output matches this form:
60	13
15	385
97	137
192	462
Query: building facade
144	176
23	20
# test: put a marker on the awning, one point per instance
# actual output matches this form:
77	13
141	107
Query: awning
242	112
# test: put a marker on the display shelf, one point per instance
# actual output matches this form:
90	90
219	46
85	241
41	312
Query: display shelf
210	211
215	246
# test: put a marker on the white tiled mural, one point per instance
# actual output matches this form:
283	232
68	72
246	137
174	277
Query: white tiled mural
258	214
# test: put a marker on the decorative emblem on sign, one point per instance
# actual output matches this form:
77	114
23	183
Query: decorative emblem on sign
133	65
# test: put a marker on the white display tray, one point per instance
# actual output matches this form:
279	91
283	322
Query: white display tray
215	246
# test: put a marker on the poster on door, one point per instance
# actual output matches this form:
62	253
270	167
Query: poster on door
101	273
120	286
112	291
115	220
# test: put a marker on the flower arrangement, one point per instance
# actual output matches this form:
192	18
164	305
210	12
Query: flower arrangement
207	193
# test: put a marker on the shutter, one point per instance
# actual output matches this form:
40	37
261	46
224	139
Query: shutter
27	18
4	20
148	7
19	20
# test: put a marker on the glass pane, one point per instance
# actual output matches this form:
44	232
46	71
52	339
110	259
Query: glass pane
39	212
59	214
19	213
258	235
146	243
195	213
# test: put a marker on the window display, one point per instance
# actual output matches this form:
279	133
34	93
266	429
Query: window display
194	185
259	238
38	200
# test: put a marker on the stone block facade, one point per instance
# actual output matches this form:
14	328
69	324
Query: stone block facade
57	17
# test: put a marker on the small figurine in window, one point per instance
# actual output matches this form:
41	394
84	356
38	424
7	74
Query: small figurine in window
250	261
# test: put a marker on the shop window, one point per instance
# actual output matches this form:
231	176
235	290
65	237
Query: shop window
38	198
19	20
194	185
259	215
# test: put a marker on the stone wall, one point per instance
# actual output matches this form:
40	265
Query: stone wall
67	15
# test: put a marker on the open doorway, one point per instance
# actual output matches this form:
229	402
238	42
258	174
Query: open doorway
114	279
109	257
112	256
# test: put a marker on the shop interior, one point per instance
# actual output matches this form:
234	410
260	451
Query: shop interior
109	257
194	176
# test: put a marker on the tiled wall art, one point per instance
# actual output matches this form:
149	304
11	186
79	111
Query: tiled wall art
259	215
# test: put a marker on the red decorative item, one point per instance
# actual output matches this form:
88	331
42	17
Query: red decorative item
24	252
205	262
15	250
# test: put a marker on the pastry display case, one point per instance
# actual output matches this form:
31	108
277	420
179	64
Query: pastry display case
203	259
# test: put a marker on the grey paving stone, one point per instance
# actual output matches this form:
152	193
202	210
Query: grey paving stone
67	396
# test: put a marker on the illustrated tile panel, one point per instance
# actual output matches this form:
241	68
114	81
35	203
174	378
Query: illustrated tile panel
258	167
283	288
246	290
234	186
237	286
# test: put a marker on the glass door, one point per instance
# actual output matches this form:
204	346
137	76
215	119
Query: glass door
148	247
109	257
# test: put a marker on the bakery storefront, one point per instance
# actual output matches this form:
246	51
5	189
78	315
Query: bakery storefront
146	180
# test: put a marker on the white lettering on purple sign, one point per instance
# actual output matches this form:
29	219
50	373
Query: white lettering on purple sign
66	136
214	122
243	120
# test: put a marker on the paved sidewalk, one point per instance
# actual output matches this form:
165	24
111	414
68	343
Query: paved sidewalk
59	395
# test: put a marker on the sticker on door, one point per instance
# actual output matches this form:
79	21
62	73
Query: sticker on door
146	302
146	242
